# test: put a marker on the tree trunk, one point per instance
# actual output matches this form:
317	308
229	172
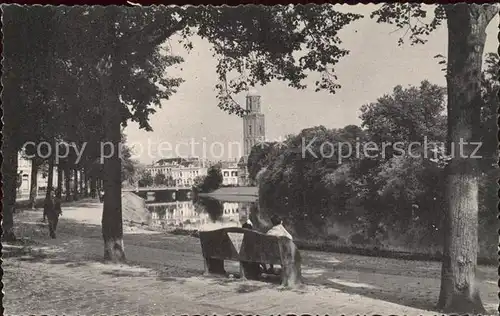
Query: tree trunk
67	180
85	183
82	189
93	187
466	38
34	184
112	224
59	177
9	175
75	184
50	178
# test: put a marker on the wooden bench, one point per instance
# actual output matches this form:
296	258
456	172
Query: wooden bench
250	247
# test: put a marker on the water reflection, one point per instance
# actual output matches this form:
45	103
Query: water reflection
179	211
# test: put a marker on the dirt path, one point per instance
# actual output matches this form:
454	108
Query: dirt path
163	275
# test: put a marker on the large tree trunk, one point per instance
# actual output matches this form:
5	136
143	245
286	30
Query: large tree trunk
34	182
59	177
112	225
9	174
467	35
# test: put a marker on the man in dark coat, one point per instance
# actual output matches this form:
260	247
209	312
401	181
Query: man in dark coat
52	208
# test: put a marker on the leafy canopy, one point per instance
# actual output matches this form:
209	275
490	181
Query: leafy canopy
262	43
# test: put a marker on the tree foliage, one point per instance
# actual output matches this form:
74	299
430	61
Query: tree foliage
129	165
145	179
213	180
260	43
259	157
400	193
160	179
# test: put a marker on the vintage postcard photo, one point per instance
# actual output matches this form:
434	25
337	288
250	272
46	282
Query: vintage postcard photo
250	160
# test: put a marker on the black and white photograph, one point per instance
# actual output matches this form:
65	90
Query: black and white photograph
291	159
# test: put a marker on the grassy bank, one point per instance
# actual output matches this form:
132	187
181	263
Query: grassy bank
134	209
383	252
233	194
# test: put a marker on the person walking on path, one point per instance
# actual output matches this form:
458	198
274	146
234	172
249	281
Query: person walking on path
44	213
53	211
101	196
47	204
57	201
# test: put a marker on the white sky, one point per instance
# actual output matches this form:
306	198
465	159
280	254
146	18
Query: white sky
374	66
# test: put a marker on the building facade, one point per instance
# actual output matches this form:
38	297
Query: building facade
229	172
180	171
24	171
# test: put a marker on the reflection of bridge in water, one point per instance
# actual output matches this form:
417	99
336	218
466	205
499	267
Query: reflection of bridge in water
160	188
163	194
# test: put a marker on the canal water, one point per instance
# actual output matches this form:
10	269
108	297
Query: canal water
182	210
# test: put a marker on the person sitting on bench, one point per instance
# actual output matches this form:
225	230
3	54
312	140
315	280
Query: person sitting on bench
248	224
254	269
277	230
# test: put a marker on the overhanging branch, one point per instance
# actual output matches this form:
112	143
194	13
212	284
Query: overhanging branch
150	29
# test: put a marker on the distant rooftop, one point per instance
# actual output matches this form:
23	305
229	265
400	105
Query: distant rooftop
228	164
177	161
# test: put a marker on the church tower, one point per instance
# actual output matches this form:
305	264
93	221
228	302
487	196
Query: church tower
254	132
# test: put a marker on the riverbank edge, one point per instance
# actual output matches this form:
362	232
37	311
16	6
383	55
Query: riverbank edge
368	251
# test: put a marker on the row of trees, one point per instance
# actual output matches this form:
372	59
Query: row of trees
78	171
146	179
74	179
80	73
57	79
207	183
